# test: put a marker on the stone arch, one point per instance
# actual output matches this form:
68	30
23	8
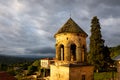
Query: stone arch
60	52
77	43
68	44
77	51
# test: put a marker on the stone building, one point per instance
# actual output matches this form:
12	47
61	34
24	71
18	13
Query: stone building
45	62
71	56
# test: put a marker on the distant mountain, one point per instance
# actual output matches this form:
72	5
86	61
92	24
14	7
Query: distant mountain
8	59
115	51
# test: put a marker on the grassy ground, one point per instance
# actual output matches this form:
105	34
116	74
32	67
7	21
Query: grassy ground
105	75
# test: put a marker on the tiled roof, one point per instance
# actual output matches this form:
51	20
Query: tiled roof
70	27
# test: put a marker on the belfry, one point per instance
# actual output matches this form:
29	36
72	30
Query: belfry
71	56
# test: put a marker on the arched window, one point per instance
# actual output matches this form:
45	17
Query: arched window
73	52
61	52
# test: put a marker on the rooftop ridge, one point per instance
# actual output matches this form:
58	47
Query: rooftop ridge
70	27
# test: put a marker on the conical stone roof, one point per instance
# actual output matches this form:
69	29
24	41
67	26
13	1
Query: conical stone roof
70	27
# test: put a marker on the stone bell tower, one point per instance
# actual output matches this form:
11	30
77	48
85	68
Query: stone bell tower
71	60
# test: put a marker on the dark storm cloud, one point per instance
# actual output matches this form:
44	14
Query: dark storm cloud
28	26
44	50
102	8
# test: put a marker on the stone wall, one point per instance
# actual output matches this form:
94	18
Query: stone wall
59	72
71	72
66	39
78	73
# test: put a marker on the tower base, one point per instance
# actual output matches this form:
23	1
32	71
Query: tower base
71	72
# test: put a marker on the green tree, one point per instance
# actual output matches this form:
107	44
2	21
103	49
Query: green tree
107	59
32	69
96	53
3	67
36	63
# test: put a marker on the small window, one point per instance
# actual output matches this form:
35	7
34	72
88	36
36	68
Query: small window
67	38
83	77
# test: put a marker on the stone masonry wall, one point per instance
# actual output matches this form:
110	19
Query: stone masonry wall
76	73
59	72
71	73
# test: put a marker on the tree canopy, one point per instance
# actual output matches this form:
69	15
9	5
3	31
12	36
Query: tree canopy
98	52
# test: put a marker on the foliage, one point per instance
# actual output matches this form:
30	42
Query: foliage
21	69
107	59
96	45
98	53
36	63
115	51
3	67
104	75
25	65
32	69
12	72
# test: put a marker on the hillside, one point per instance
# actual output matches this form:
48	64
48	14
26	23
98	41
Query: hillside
115	51
6	59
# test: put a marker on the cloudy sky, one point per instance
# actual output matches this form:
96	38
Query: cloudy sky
27	27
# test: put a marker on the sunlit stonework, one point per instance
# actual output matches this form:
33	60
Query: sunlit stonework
71	56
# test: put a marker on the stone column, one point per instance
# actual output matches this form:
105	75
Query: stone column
82	56
78	55
85	55
66	54
62	53
58	56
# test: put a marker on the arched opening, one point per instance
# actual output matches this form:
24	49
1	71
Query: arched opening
73	52
61	52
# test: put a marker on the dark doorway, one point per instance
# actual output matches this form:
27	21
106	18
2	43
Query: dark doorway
73	52
83	77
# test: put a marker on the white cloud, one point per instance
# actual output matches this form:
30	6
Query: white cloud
17	6
111	21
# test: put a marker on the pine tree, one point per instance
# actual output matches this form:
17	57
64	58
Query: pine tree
96	53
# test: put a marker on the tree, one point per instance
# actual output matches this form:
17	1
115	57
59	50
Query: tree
96	53
107	59
36	63
3	67
31	69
